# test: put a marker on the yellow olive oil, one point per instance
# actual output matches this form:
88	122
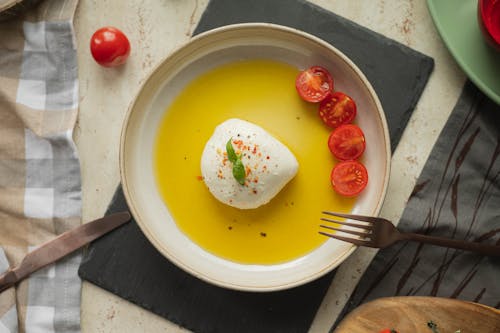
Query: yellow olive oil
262	92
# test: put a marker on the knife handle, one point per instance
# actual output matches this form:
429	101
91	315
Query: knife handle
7	280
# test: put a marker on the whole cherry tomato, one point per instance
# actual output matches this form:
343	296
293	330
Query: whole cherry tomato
349	178
347	142
314	84
337	109
109	47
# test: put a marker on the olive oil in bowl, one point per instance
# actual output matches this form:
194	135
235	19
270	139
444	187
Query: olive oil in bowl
262	92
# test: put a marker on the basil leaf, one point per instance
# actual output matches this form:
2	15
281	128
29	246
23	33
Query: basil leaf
231	154
239	171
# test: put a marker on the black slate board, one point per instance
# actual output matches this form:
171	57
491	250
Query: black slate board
126	264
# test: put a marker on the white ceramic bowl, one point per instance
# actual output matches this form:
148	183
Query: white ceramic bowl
202	53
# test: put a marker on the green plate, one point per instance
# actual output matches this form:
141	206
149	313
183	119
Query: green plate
457	22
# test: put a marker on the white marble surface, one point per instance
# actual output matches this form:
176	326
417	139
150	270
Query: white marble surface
155	28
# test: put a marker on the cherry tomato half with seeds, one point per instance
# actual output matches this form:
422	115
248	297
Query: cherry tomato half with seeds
109	47
349	178
314	84
347	142
337	109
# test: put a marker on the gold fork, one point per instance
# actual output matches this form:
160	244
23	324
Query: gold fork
380	233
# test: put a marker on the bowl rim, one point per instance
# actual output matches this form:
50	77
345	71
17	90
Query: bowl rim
136	212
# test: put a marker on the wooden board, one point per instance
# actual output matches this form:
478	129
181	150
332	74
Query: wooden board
411	314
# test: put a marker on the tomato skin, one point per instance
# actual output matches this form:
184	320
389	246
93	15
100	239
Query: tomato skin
347	142
109	47
349	178
337	109
314	84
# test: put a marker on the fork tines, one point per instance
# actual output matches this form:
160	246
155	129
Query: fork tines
351	216
354	241
367	228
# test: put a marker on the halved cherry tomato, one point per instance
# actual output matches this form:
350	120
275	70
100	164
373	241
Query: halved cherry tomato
349	178
337	109
314	84
389	331
109	47
347	142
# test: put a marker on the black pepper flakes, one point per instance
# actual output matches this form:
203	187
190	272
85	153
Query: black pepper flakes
263	234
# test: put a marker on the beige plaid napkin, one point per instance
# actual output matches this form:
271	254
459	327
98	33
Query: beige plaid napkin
40	189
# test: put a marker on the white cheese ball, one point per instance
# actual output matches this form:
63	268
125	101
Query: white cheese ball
269	165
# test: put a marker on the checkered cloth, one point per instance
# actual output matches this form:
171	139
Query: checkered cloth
40	189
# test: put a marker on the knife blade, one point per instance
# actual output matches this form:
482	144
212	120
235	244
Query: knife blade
61	246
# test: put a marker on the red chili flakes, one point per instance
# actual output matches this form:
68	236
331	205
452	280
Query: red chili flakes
239	145
248	170
254	151
254	191
267	157
200	178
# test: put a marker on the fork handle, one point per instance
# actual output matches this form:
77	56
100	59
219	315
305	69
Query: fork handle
486	249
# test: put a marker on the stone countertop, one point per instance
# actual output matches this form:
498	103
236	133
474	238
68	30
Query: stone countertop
155	29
